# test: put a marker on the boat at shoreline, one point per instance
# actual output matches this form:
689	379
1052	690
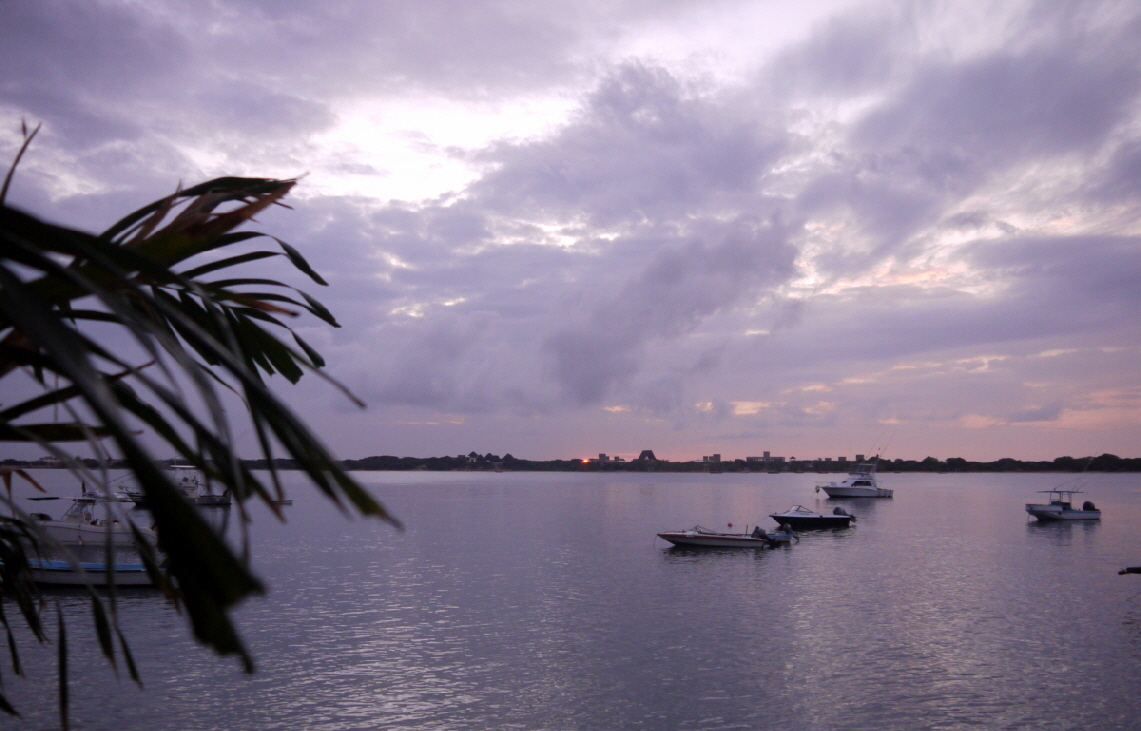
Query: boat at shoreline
1061	507
799	517
861	482
702	537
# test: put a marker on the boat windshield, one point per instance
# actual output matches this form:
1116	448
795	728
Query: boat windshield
81	510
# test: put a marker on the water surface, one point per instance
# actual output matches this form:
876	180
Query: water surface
545	601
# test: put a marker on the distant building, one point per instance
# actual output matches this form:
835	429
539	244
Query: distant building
859	458
711	458
647	455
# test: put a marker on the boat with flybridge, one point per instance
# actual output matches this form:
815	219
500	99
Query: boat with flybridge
861	482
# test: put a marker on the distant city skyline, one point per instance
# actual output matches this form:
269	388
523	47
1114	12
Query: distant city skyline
725	226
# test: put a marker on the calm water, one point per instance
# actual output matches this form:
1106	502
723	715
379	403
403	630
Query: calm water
544	601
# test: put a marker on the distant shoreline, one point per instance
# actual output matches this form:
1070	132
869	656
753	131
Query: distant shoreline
494	463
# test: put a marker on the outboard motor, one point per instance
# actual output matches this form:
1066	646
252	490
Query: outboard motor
839	511
1088	505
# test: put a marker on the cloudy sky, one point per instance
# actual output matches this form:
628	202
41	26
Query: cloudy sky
558	228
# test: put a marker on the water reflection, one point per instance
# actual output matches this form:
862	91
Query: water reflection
691	554
216	516
1062	532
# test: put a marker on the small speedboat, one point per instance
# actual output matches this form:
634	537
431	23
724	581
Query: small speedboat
799	517
704	537
783	535
1061	507
861	482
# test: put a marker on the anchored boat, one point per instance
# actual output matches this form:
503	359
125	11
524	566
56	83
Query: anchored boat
861	482
799	517
704	537
1061	507
73	549
193	484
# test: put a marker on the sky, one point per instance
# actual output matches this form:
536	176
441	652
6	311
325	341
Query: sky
556	229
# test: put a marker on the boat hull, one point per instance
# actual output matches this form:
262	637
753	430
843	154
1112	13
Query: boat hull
213	500
798	520
705	540
64	573
1054	512
847	492
820	523
88	534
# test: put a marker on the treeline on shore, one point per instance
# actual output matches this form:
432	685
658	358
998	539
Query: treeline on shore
508	463
492	462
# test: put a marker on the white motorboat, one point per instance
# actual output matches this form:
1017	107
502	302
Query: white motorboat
192	483
706	538
1061	507
799	517
81	525
73	549
861	482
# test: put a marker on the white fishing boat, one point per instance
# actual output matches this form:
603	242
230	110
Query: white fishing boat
1061	507
699	536
192	483
799	517
861	482
73	549
82	524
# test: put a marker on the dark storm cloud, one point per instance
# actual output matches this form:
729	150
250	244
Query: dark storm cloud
850	54
1050	412
672	295
71	64
1121	181
240	107
1068	283
644	147
1046	288
1005	106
